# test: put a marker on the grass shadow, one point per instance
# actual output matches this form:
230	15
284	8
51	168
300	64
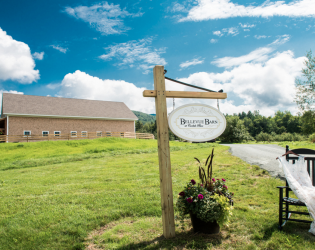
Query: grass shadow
183	240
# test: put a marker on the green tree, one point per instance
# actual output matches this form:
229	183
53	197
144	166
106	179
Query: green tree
305	96
308	122
139	126
235	130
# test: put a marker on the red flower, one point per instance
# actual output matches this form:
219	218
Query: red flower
189	200
182	193
223	179
193	181
200	196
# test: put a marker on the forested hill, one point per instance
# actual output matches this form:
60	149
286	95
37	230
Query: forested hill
144	118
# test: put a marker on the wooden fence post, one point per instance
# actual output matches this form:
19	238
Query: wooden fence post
164	154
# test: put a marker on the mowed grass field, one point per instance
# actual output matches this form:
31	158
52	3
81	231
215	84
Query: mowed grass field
105	194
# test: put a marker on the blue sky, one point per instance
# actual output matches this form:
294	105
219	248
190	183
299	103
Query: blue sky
106	50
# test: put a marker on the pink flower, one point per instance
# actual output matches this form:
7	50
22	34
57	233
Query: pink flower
213	179
193	181
189	200
201	185
224	186
200	196
223	179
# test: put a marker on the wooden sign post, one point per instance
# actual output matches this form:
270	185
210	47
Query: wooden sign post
163	142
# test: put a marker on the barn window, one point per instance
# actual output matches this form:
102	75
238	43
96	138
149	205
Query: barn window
57	133
83	133
99	133
27	132
45	133
73	133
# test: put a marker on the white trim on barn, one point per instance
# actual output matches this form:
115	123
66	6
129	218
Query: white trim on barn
7	125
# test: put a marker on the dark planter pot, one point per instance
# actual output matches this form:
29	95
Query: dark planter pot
204	227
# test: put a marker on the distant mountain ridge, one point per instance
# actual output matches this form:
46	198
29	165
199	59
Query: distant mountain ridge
145	118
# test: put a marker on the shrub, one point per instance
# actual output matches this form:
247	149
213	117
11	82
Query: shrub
312	138
298	137
235	131
287	137
264	137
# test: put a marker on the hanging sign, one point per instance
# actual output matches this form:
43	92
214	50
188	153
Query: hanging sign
197	122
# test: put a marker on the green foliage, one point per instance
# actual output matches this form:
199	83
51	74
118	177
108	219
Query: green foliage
305	96
207	206
210	200
206	175
312	138
264	137
308	122
144	118
235	130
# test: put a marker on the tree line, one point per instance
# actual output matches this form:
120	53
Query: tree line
283	126
254	126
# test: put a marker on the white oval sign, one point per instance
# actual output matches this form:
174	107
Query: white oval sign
197	122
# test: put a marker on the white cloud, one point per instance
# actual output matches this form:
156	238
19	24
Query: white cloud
136	54
219	9
258	55
82	85
59	48
260	37
38	56
104	17
246	25
226	31
53	85
177	8
217	33
267	86
190	63
16	61
231	31
5	91
213	40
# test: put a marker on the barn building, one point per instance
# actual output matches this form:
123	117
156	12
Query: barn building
42	115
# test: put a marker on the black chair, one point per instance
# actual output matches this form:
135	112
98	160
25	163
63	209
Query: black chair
285	202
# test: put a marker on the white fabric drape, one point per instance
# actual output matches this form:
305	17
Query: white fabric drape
300	183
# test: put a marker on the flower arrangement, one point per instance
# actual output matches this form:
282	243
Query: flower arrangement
210	200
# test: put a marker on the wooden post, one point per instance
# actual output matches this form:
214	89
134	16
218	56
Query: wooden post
164	153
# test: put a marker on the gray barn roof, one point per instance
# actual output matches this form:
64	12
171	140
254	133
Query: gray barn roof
28	105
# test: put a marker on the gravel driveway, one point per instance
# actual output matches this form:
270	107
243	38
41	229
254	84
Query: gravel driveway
263	156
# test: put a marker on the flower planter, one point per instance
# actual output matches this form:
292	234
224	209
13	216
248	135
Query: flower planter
204	227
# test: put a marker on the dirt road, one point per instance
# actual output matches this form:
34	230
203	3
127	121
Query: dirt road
263	156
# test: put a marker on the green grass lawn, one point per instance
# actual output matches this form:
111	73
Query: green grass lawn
105	194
